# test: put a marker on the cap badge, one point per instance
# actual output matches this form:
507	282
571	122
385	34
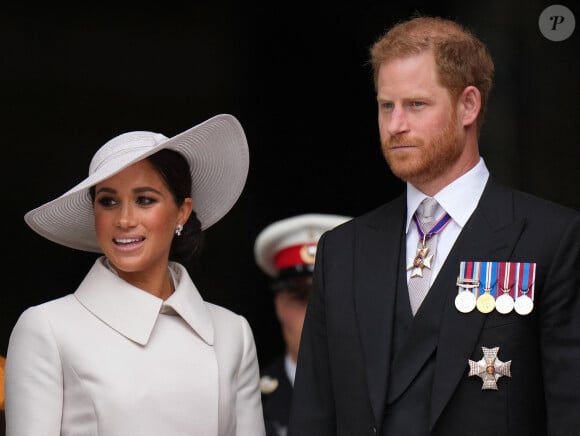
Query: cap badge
308	253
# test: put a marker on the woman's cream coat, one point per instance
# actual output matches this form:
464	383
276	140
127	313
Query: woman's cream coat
113	360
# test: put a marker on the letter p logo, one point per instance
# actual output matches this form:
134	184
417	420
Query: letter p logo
557	22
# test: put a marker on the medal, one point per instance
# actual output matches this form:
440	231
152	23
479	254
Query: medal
524	303
424	258
465	301
486	301
504	304
467	282
490	369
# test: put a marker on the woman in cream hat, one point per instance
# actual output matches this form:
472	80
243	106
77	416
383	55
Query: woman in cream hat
135	350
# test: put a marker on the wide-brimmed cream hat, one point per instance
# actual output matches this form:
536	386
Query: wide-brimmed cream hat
218	157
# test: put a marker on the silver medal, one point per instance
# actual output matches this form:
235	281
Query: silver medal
504	303
524	305
465	301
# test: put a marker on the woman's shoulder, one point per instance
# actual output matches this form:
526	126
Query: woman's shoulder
36	324
47	313
53	306
228	322
223	313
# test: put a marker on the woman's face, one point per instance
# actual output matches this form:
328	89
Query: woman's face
135	220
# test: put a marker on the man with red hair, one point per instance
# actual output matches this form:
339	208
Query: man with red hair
454	309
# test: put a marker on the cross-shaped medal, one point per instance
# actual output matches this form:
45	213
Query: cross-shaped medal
422	260
490	368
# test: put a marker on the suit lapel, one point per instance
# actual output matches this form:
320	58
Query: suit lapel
377	263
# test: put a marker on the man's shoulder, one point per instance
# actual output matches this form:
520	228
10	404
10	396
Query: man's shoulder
543	205
531	204
502	204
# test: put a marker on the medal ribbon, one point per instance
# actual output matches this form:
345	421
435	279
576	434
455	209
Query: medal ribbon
491	278
477	275
439	225
521	279
503	268
507	270
533	281
525	277
518	280
483	283
526	273
467	276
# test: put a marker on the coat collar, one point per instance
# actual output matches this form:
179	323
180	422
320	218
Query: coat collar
133	312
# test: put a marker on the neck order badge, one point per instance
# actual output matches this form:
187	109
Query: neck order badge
428	228
424	255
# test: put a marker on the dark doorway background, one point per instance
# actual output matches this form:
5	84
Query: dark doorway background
297	78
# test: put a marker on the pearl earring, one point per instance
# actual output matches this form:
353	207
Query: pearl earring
178	229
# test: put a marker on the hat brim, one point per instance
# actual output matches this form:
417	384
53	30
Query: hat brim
291	231
218	157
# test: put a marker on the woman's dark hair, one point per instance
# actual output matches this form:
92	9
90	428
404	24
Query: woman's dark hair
174	170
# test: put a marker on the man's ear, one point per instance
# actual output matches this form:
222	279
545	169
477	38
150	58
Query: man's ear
469	105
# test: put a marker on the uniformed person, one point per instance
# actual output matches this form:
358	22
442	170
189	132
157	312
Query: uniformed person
285	250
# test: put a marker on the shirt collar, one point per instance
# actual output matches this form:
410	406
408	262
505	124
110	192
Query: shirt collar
459	199
133	312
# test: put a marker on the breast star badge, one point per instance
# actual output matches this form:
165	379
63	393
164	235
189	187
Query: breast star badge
490	368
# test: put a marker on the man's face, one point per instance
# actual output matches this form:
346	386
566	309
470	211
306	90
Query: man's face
422	137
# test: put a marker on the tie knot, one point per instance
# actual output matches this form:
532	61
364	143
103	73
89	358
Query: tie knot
427	208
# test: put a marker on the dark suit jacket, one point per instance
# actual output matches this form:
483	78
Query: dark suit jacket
346	375
276	404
